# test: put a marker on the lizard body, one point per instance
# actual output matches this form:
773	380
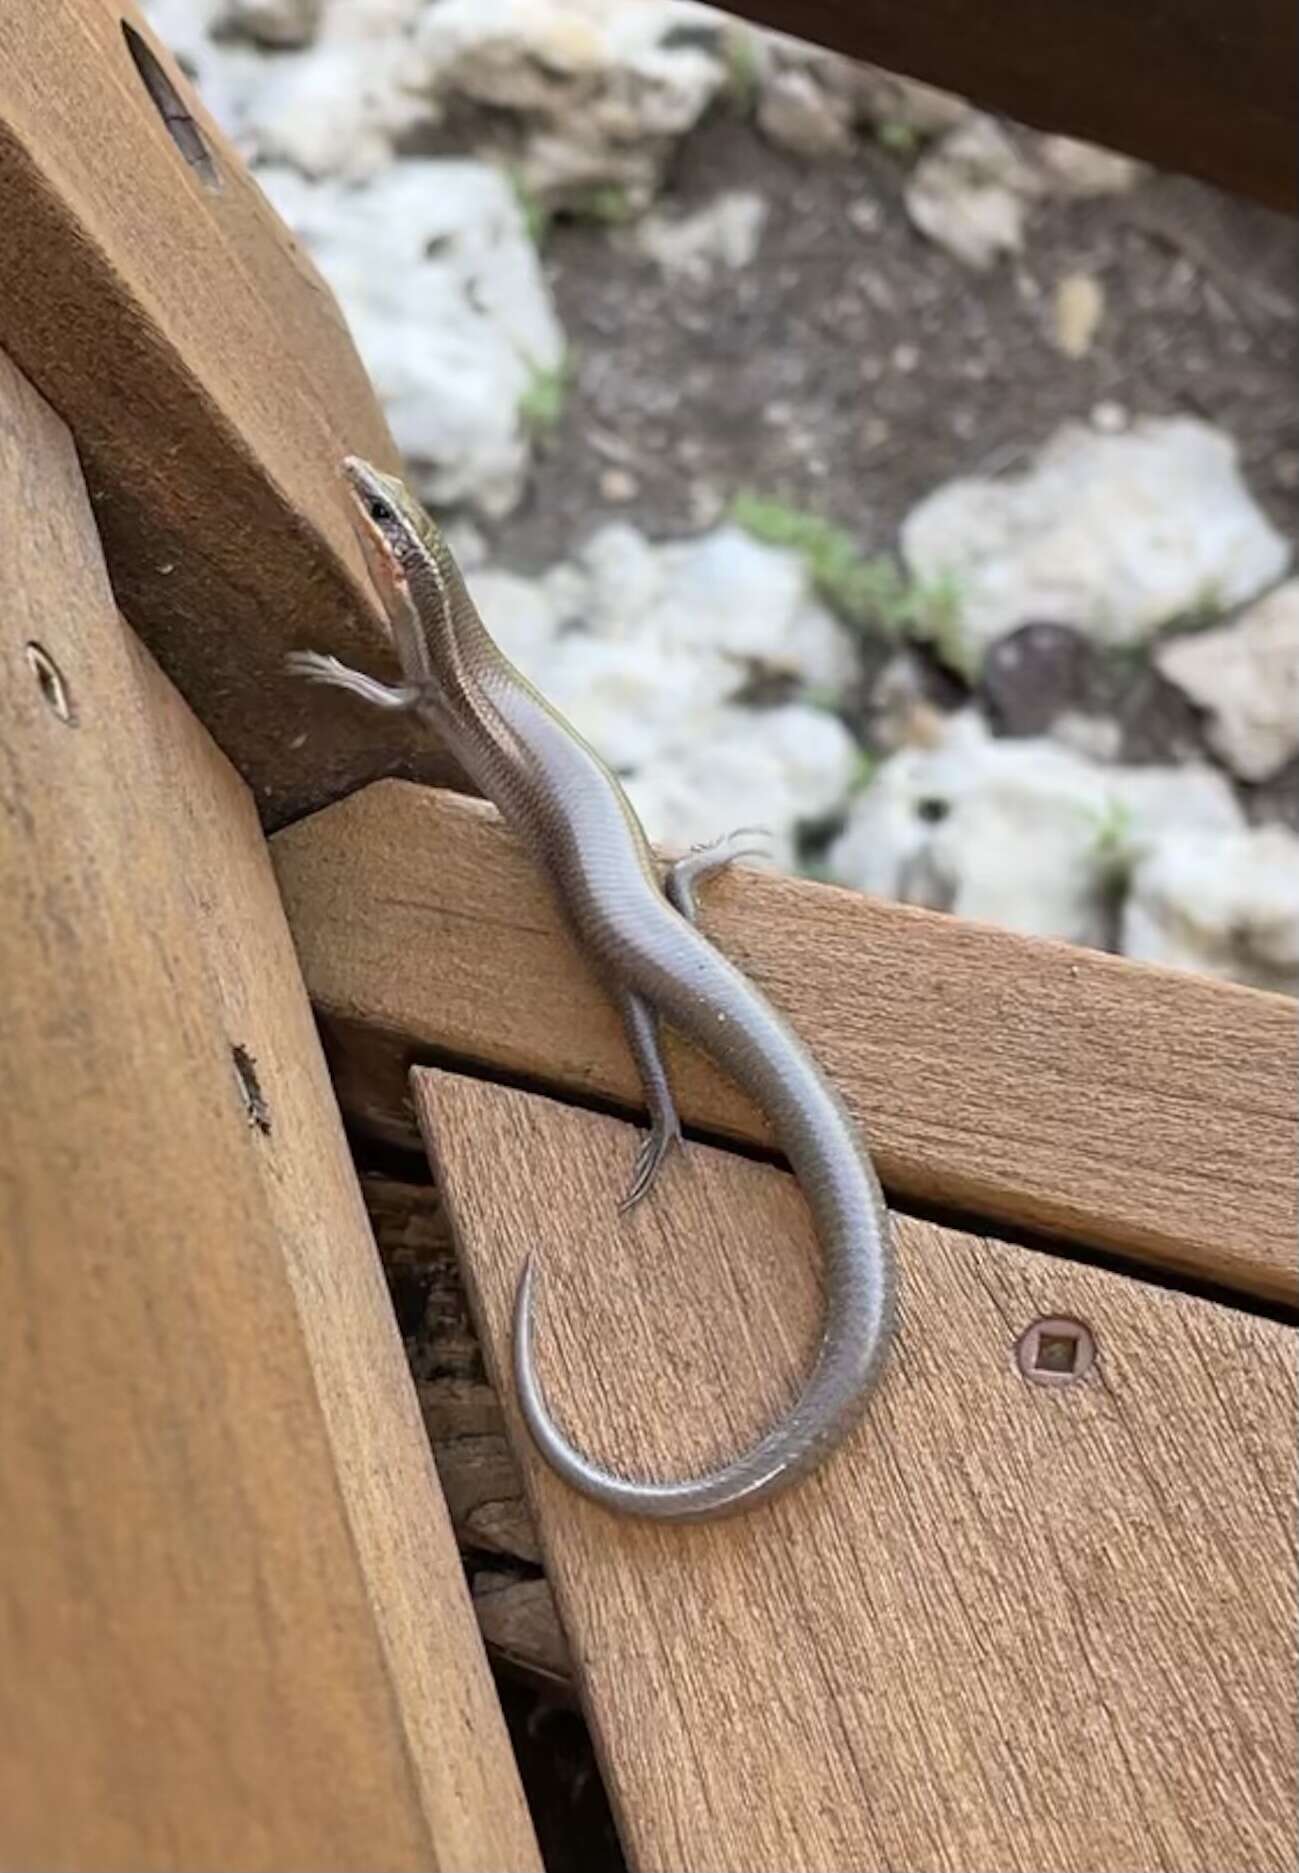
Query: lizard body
637	928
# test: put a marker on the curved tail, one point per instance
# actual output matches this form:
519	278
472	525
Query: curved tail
852	1223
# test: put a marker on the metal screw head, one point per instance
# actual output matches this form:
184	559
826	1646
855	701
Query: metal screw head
1055	1351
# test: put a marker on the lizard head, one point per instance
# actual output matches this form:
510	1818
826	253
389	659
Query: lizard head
405	554
394	532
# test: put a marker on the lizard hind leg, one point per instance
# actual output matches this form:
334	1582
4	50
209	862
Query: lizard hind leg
642	1028
641	1022
703	860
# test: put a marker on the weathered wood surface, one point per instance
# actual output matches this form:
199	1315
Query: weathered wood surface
1192	85
1007	1626
1045	1086
164	310
233	1622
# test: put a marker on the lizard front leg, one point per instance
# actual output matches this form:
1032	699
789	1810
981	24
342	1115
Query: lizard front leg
319	669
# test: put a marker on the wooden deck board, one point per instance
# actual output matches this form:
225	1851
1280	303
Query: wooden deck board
234	1629
1042	1086
1006	1626
205	370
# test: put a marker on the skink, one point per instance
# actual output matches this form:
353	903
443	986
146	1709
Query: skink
637	928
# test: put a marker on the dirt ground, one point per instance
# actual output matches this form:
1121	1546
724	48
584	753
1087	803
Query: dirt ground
853	366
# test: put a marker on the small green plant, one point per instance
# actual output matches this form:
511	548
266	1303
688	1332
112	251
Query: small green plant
610	203
940	624
542	403
867	591
822	696
901	138
740	50
1207	606
864	773
1126	661
1112	844
536	215
1203	612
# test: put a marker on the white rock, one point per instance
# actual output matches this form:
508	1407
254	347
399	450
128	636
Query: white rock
335	111
618	486
812	101
1020	833
184	26
1158	802
229	76
1077	313
620	577
1246	675
598	90
887	98
638	705
797	113
431	261
645	647
580	94
750	604
970	192
274	22
771	768
1224	903
1096	737
466	542
446	299
520	613
726	232
1108	417
723	596
1116	535
336	107
944	828
1076	168
340	108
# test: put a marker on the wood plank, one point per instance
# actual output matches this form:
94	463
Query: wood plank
1192	85
399	1516
1047	1087
161	306
1008	1625
234	1626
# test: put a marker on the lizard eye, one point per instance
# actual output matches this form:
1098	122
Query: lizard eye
380	512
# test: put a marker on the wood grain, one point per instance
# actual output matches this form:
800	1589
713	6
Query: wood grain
1192	85
204	368
233	1623
1006	1626
1030	1082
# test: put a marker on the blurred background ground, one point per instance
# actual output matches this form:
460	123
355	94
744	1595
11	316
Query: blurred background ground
853	366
